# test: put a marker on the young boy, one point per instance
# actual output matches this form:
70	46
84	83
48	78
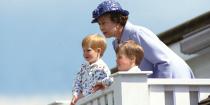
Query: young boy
94	70
129	55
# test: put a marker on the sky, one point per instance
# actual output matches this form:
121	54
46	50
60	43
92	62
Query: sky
40	41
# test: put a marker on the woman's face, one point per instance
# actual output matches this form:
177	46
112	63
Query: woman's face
108	27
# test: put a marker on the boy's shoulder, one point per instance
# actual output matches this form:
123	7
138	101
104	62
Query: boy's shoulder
134	69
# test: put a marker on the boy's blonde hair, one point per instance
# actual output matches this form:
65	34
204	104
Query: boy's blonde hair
95	41
131	49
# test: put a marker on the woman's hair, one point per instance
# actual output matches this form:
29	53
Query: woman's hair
117	17
95	41
132	50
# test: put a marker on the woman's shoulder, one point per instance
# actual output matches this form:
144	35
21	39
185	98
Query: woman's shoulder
134	27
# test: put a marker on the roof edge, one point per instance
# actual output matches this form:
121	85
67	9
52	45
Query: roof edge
176	34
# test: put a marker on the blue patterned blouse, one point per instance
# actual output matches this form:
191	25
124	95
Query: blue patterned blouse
88	75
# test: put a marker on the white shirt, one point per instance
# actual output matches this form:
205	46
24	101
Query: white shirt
134	69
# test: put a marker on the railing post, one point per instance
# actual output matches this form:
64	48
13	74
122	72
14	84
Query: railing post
131	88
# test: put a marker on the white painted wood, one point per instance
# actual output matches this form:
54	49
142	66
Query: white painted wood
169	98
203	93
96	95
132	94
130	87
193	98
179	82
102	100
117	91
181	96
136	89
89	103
133	88
95	102
157	96
110	99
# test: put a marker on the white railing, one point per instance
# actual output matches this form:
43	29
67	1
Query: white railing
178	91
137	89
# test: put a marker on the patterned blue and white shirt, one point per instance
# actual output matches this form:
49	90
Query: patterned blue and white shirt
88	75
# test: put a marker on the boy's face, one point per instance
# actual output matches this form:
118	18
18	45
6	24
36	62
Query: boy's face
90	55
124	63
107	27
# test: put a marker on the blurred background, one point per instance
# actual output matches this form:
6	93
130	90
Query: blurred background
40	42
